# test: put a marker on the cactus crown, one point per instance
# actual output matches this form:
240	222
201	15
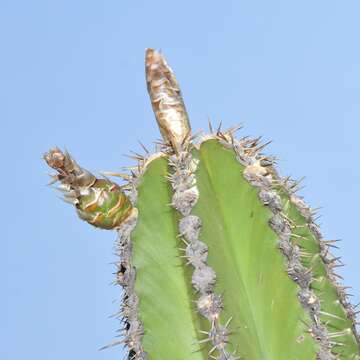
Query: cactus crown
218	256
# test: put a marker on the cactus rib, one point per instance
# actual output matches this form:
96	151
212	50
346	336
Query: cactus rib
209	304
335	311
133	329
165	307
125	276
263	177
330	261
243	252
259	176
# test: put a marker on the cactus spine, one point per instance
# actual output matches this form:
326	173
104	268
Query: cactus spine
218	256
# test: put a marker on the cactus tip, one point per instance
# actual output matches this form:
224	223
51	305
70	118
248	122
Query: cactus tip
54	158
166	100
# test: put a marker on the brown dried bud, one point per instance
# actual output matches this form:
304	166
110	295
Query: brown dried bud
166	100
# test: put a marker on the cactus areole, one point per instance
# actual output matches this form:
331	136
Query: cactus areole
218	256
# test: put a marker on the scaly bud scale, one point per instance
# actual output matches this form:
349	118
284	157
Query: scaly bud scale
166	100
100	202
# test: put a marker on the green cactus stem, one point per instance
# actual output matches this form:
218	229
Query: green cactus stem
218	256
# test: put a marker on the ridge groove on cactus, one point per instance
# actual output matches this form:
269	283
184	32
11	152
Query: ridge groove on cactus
219	258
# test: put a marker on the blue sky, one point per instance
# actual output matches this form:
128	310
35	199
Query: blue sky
72	74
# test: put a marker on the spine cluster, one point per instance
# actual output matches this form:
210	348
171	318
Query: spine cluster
260	173
203	280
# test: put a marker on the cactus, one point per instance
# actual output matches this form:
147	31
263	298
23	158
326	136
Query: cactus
218	256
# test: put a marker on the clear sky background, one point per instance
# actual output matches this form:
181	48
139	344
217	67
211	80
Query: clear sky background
72	74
